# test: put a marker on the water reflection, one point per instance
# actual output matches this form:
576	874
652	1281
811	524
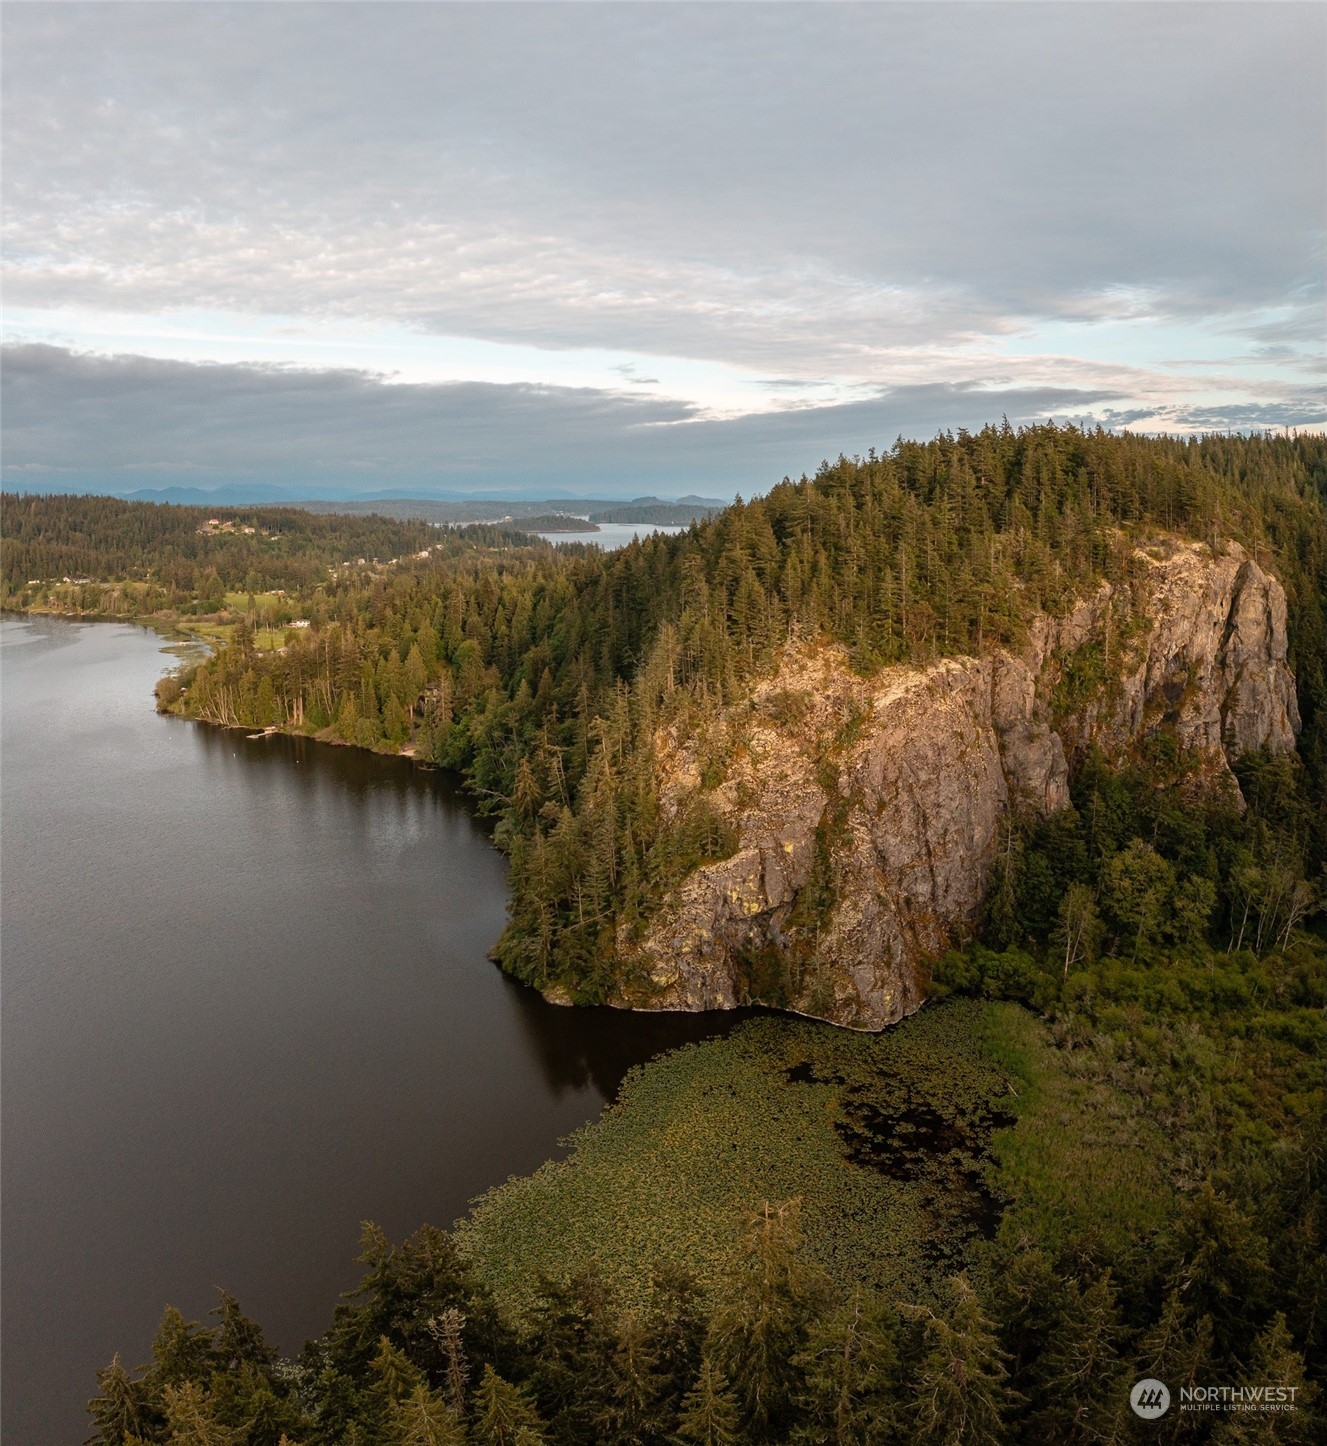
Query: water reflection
596	1047
247	1005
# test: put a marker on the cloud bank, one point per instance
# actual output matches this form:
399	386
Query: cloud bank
129	422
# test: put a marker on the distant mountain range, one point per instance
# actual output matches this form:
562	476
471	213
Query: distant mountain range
241	494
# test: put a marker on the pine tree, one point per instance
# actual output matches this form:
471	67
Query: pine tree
1219	1268
504	1415
397	1376
181	1351
710	1415
423	1419
676	1323
1177	1352
239	1340
191	1418
395	725
960	1394
1275	1362
850	1374
120	1409
632	1414
1082	1383
760	1322
575	1322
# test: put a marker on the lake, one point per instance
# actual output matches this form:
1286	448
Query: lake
246	1005
612	535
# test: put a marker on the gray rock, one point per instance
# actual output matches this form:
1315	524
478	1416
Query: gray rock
870	827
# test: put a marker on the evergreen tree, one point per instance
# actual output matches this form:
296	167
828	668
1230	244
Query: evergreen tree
850	1375
191	1418
423	1419
633	1413
675	1324
1178	1352
1218	1266
760	1322
181	1351
960	1393
1080	1379
1275	1362
239	1340
397	1376
710	1414
120	1410
504	1414
575	1371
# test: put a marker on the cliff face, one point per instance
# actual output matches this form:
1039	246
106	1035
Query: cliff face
869	812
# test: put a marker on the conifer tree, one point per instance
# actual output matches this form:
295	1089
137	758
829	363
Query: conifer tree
710	1414
120	1410
575	1322
1177	1351
1081	1381
191	1418
239	1340
850	1374
632	1415
397	1376
960	1393
675	1324
1275	1362
423	1419
504	1415
181	1351
760	1322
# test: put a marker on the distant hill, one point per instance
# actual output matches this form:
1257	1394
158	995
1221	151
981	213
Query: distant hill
596	509
660	514
558	522
431	506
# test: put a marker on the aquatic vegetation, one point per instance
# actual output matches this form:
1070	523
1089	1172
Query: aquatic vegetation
884	1139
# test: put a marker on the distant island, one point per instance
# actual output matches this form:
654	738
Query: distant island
659	514
556	522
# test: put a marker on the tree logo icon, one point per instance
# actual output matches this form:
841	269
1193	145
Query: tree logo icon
1150	1399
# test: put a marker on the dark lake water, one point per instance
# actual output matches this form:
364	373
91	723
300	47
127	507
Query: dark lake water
246	1005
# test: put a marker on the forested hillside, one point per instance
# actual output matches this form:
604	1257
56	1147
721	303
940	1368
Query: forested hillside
545	678
189	553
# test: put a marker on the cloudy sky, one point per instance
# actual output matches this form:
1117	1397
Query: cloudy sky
635	248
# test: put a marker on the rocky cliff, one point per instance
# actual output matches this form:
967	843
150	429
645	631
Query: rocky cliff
869	812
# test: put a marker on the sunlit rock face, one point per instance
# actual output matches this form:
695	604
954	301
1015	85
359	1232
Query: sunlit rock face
870	812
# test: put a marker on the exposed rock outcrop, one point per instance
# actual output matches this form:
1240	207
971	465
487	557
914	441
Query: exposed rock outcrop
870	811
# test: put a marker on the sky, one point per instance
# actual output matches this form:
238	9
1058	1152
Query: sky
618	249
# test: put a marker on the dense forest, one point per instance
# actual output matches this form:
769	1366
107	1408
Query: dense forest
1097	1155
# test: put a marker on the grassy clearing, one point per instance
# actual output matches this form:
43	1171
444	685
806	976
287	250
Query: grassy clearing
265	640
265	607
